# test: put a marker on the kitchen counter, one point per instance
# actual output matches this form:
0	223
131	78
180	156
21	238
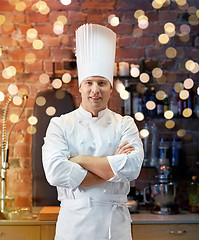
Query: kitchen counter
145	217
142	217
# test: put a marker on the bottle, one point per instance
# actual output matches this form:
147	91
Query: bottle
146	144
196	107
128	102
160	110
180	106
176	148
166	103
190	100
144	101
152	97
154	146
163	153
136	100
140	105
173	103
194	195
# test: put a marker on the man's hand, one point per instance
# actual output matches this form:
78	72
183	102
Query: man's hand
125	148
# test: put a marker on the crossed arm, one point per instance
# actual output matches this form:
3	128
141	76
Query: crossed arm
99	169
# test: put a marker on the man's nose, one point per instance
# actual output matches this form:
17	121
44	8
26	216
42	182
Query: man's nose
95	88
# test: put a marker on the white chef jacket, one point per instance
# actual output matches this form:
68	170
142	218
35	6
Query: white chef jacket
96	212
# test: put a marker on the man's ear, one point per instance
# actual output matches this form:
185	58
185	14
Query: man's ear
80	90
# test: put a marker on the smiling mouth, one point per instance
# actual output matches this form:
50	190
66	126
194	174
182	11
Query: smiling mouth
95	98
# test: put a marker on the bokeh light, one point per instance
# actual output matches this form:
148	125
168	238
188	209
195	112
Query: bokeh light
50	111
144	77
160	95
181	132
157	72
178	87
30	58
187	112
144	133
188	83
119	86
184	94
140	88
65	2
2	96
181	2
163	38
138	13
14	118
12	89
169	28
60	94
2	19
113	20
171	52
135	72
40	101
139	116
20	6
150	105
44	78
31	130
170	124
62	19
57	83
32	120
168	114
124	94
37	44
66	77
184	28
17	100
32	33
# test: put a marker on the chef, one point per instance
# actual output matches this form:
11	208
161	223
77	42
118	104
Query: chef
91	154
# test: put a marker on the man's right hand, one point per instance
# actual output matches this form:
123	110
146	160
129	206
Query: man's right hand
125	148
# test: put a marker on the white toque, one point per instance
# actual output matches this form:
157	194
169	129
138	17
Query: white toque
95	52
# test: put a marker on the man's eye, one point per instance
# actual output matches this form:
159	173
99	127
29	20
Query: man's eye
88	83
102	83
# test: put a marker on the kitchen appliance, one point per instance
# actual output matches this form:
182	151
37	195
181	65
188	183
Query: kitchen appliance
162	195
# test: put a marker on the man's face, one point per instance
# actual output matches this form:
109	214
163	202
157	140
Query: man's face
95	93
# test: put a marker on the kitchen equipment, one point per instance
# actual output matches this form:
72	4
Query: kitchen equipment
132	205
162	194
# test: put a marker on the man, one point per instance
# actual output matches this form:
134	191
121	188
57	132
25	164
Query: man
92	153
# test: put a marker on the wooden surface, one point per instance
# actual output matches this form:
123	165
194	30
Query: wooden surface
48	213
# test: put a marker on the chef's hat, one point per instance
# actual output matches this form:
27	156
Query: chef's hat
95	51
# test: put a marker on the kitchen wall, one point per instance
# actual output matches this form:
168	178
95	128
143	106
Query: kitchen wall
133	46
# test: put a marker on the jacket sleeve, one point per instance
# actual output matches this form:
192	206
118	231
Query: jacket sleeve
127	167
58	169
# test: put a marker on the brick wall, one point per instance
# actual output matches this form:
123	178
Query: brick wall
130	48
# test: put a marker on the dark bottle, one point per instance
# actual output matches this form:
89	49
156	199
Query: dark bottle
176	148
152	97
166	104
173	106
145	99
190	100
194	195
196	106
180	106
128	102
159	108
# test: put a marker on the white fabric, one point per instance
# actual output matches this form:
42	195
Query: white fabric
79	133
95	51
